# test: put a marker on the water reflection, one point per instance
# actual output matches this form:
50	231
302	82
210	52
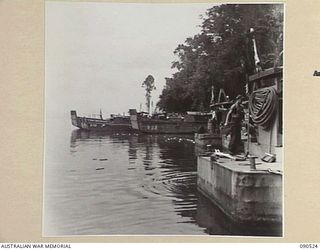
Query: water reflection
127	183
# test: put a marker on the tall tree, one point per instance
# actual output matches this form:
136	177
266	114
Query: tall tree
148	84
222	54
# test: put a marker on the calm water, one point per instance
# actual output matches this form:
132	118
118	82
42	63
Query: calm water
125	183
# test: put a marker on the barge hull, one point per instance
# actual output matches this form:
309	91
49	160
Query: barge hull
243	195
170	128
95	124
163	126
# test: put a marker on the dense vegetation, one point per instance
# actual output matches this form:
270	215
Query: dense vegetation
221	55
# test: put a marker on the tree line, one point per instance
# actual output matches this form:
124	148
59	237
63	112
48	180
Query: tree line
222	54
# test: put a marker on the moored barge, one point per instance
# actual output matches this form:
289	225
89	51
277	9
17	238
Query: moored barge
189	123
113	123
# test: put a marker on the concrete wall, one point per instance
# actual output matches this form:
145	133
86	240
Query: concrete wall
245	196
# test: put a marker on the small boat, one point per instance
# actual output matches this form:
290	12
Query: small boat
189	123
115	122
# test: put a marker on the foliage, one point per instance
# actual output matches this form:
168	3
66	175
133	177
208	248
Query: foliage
148	84
221	55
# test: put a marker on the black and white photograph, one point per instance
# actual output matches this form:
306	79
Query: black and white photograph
163	119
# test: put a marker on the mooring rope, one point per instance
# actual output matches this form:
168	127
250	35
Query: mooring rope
263	105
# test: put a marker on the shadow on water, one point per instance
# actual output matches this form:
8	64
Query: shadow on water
167	170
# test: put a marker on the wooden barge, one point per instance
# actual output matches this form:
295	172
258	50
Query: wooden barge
190	123
99	124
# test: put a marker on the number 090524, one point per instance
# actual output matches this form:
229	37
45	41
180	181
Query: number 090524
309	246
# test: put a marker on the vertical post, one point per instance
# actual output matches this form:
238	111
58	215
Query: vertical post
252	162
248	123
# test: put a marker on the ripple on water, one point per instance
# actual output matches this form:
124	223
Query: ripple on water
147	185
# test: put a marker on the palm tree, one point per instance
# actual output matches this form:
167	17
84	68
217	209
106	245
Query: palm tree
148	84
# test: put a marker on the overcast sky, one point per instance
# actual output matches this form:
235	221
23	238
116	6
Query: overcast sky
98	54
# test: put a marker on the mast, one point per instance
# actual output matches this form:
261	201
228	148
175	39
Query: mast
257	61
212	95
